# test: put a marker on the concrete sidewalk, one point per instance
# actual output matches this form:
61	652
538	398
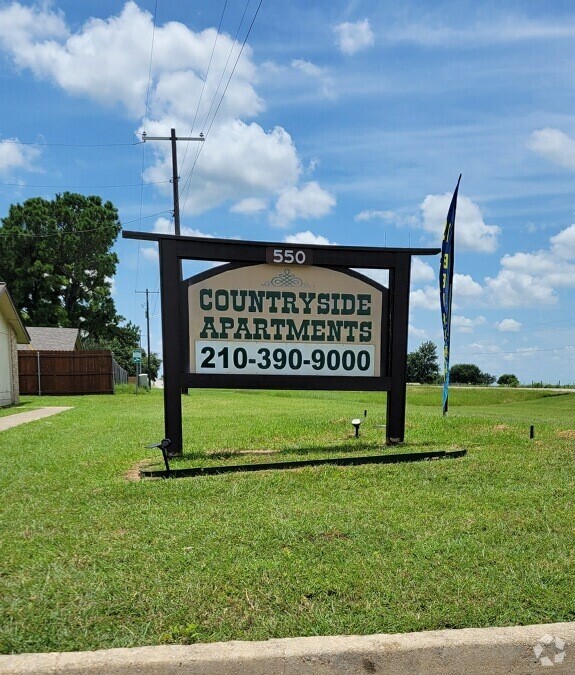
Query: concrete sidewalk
30	416
520	650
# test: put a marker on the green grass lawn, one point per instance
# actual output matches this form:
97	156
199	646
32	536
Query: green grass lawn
90	559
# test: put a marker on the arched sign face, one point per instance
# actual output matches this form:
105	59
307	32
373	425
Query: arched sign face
301	320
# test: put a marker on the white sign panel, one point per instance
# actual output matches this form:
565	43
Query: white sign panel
263	358
277	320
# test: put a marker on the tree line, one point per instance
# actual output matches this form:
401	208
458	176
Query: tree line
58	262
423	367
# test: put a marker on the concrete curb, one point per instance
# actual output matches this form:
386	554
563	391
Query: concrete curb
522	650
30	416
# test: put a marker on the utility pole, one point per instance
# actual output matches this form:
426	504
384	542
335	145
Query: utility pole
175	181
175	178
147	292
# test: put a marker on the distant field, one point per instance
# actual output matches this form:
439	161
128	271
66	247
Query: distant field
90	558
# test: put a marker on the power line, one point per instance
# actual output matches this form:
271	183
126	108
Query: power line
147	108
205	82
235	64
124	222
70	145
146	111
153	215
84	187
524	352
227	61
92	229
207	71
188	180
53	234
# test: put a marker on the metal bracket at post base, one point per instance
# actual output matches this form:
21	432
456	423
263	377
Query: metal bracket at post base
297	464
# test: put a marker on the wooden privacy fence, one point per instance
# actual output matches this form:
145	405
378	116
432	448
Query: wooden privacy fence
120	374
78	372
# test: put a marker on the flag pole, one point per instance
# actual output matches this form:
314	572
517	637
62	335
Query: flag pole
446	289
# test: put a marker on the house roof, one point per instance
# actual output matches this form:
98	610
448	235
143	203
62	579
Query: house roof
54	339
12	316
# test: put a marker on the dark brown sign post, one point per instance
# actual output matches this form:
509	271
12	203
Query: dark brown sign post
283	317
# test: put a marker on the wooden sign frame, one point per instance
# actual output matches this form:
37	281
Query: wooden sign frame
173	249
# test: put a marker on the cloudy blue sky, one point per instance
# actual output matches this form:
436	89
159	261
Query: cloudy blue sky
343	122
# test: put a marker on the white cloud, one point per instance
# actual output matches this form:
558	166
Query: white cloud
551	270
471	232
502	28
108	60
375	215
353	37
528	351
484	347
311	167
425	298
242	159
310	201
20	26
104	60
165	226
150	253
249	206
464	324
465	287
421	271
416	332
381	276
111	281
308	237
508	326
387	217
518	289
554	145
531	279
563	243
320	75
193	232
16	156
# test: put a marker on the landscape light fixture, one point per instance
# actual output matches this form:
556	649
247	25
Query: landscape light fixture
163	446
356	423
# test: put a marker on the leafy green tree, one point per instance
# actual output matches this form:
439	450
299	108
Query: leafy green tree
469	373
57	261
422	364
155	363
508	380
122	344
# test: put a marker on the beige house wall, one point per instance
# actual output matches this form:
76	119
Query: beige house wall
6	362
15	377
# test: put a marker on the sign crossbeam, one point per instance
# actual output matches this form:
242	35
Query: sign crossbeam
217	352
220	250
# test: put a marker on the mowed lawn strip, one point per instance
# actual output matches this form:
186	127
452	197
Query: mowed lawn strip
90	559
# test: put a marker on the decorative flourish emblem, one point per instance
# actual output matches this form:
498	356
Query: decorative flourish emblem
286	278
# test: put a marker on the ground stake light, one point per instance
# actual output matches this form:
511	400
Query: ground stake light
356	423
164	445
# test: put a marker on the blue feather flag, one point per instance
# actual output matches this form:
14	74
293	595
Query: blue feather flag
446	289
